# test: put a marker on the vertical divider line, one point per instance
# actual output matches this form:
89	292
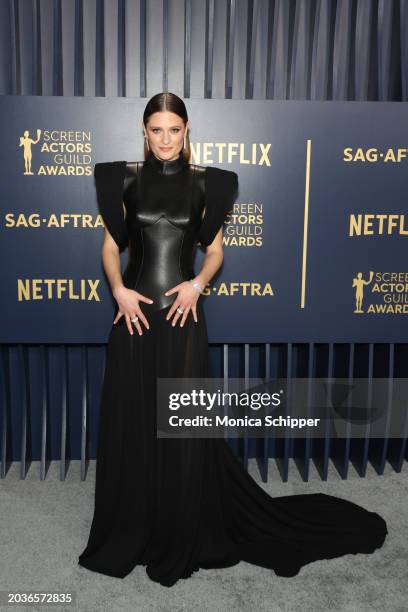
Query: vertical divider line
306	222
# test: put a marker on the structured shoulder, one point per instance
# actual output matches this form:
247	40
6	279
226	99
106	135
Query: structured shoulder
222	173
133	167
221	187
109	177
109	165
215	172
197	169
220	182
107	171
132	164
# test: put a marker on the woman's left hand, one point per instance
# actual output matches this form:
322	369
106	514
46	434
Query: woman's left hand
186	299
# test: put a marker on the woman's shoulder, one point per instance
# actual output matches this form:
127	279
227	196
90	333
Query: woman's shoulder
213	174
108	169
220	176
216	173
110	164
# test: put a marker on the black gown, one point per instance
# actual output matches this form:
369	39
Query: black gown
176	505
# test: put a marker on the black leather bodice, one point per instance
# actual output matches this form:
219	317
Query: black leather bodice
164	203
170	207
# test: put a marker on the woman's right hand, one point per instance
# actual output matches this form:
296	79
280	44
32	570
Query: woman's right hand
128	302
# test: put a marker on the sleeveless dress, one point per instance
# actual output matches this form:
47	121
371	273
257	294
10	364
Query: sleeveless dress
178	505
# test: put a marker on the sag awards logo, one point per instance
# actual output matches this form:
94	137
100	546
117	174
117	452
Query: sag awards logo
381	292
244	225
57	153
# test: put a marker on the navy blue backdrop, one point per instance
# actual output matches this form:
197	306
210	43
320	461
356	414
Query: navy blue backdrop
319	221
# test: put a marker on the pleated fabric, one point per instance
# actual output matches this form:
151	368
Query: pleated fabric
176	505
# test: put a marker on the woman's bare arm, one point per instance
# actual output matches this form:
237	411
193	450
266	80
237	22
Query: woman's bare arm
213	259
111	262
127	299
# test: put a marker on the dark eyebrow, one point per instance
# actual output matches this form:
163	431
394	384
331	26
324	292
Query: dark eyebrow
154	127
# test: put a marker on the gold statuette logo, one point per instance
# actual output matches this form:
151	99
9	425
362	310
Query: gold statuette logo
27	142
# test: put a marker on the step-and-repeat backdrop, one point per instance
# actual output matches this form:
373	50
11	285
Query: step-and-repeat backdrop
315	246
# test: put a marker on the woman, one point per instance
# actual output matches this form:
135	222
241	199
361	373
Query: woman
176	505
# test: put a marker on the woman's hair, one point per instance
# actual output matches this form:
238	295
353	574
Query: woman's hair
167	101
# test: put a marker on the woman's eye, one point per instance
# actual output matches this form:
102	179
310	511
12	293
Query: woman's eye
158	129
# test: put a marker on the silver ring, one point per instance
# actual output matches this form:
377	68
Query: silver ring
180	311
134	319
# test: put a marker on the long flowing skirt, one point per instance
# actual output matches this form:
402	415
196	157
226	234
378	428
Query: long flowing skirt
177	505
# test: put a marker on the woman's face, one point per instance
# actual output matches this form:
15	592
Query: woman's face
165	133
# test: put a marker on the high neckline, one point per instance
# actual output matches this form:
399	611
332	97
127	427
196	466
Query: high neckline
166	166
